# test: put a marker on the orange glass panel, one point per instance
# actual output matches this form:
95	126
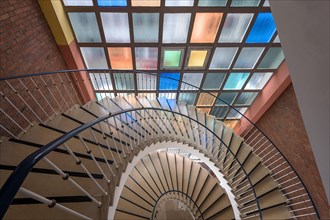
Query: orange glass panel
231	123
206	26
206	99
197	58
120	58
146	3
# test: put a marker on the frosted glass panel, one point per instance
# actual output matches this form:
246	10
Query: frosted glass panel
179	2
146	3
120	58
272	59
236	81
233	114
145	26
146	58
219	112
197	58
206	99
235	28
94	57
223	57
115	26
277	39
172	58
246	98
101	81
167	95
245	3
102	95
248	57
169	81
85	27
189	98
112	2
263	29
212	3
205	28
193	79
124	81
226	98
78	2
176	28
213	81
266	3
258	80
146	81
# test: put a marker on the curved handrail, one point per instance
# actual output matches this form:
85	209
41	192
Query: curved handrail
17	177
253	125
176	191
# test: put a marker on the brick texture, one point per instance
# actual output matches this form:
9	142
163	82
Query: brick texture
284	125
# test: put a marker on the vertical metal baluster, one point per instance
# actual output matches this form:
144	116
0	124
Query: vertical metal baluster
120	141
78	86
13	120
51	93
65	87
114	141
73	89
55	85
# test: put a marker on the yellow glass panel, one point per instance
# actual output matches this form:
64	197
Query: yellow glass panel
206	99
205	28
120	58
231	123
197	58
206	110
146	3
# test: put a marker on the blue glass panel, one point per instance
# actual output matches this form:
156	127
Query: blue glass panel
236	81
112	2
263	29
227	98
167	83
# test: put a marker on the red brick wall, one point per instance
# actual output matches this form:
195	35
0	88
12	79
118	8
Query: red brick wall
284	125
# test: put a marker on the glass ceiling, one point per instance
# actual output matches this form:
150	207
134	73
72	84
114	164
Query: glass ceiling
229	48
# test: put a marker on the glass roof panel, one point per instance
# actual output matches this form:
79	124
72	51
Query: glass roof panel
101	81
176	26
168	95
206	110
193	79
266	3
146	81
246	98
212	3
277	39
112	2
172	58
146	58
85	27
248	57
205	28
272	59
263	29
124	81
206	99
78	2
236	81
233	114
148	95
197	58
115	26
146	3
189	98
219	111
169	81
226	97
258	80
120	58
94	57
223	57
245	3
213	81
102	95
145	26
179	3
235	27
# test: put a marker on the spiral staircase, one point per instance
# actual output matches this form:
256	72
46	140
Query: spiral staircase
84	164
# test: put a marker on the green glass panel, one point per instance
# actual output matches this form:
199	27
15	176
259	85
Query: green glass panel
245	3
246	98
226	98
172	58
272	59
219	111
236	81
213	81
212	3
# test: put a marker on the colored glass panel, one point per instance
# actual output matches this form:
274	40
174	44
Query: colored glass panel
205	110
102	95
101	81
145	26
223	57
194	79
112	2
219	111
115	26
213	81
212	3
78	2
258	80
176	27
94	57
246	98
248	57
206	99
124	81
205	28
245	3
172	58
277	39
236	81
235	27
169	81
146	3
226	98
120	58
85	27
233	114
146	58
189	98
263	29
179	3
197	58
266	3
146	81
272	59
